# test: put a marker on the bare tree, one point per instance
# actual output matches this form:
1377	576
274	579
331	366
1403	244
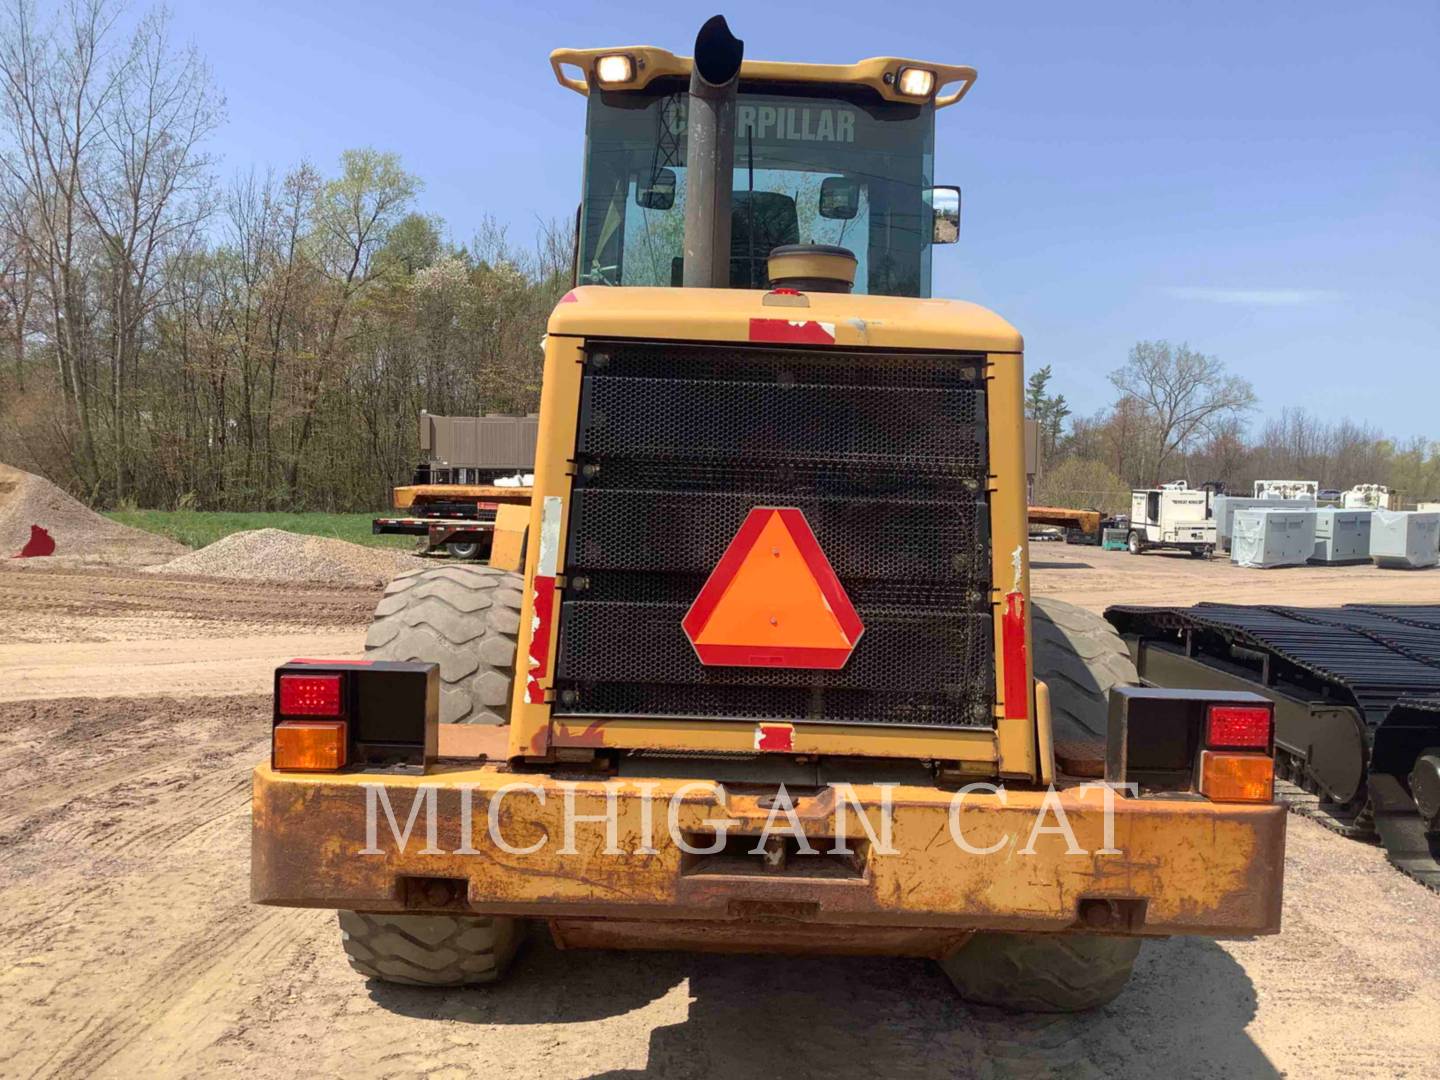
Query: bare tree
1183	393
56	88
17	272
151	191
1224	456
103	176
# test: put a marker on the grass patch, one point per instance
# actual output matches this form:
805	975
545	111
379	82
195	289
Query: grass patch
196	528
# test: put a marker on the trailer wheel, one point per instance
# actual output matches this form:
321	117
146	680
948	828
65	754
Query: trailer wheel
1079	656
430	950
464	618
467	551
1042	972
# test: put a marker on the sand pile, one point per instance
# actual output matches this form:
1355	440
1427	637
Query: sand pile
79	534
280	556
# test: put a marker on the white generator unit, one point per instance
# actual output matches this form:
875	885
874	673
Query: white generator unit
1269	538
1303	490
1366	497
1341	536
1171	517
1405	539
1223	507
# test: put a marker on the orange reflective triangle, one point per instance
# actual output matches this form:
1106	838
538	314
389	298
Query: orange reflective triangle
773	600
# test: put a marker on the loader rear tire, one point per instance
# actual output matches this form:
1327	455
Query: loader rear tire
430	950
1079	656
464	618
1042	972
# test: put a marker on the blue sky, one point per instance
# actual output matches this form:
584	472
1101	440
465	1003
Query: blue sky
1260	180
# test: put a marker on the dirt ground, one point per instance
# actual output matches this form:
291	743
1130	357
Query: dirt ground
79	633
1096	579
133	708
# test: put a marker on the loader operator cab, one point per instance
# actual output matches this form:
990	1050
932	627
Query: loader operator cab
815	163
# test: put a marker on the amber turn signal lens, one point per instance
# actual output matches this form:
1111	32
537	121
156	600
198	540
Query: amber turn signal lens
1237	777
309	745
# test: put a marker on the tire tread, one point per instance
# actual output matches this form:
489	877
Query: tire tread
464	618
1080	657
1042	972
429	950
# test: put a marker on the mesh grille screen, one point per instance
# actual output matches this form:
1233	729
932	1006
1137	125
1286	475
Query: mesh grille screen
885	456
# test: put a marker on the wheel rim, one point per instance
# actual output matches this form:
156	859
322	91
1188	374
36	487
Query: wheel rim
463	551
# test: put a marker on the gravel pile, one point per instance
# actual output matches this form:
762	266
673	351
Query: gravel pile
280	556
27	500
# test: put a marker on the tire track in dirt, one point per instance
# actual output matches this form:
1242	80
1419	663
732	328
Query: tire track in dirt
139	880
202	665
45	604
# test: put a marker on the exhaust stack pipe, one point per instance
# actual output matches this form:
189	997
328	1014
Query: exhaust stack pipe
710	155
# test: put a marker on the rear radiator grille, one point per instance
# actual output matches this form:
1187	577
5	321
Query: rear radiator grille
886	457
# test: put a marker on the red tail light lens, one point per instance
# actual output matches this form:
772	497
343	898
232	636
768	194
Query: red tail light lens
310	695
1238	726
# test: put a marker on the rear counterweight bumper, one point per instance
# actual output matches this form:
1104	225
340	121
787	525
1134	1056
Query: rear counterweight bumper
485	840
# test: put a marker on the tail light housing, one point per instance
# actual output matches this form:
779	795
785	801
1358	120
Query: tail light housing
1237	764
331	715
1216	743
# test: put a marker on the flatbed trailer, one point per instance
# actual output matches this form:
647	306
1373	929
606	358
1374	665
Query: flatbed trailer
1081	526
458	518
438	532
479	495
1357	703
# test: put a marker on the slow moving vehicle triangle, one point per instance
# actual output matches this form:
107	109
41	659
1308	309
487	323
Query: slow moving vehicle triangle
773	600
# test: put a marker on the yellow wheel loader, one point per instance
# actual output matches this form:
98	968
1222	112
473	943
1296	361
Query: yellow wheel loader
772	678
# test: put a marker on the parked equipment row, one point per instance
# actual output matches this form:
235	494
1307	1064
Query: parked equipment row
1270	537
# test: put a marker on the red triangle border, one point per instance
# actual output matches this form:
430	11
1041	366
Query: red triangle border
820	569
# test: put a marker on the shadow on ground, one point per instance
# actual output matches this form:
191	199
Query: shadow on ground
1183	1014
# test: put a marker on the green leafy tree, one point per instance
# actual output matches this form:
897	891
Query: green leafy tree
1049	412
412	244
1084	484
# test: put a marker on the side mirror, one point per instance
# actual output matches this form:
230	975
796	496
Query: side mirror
839	198
945	210
659	193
